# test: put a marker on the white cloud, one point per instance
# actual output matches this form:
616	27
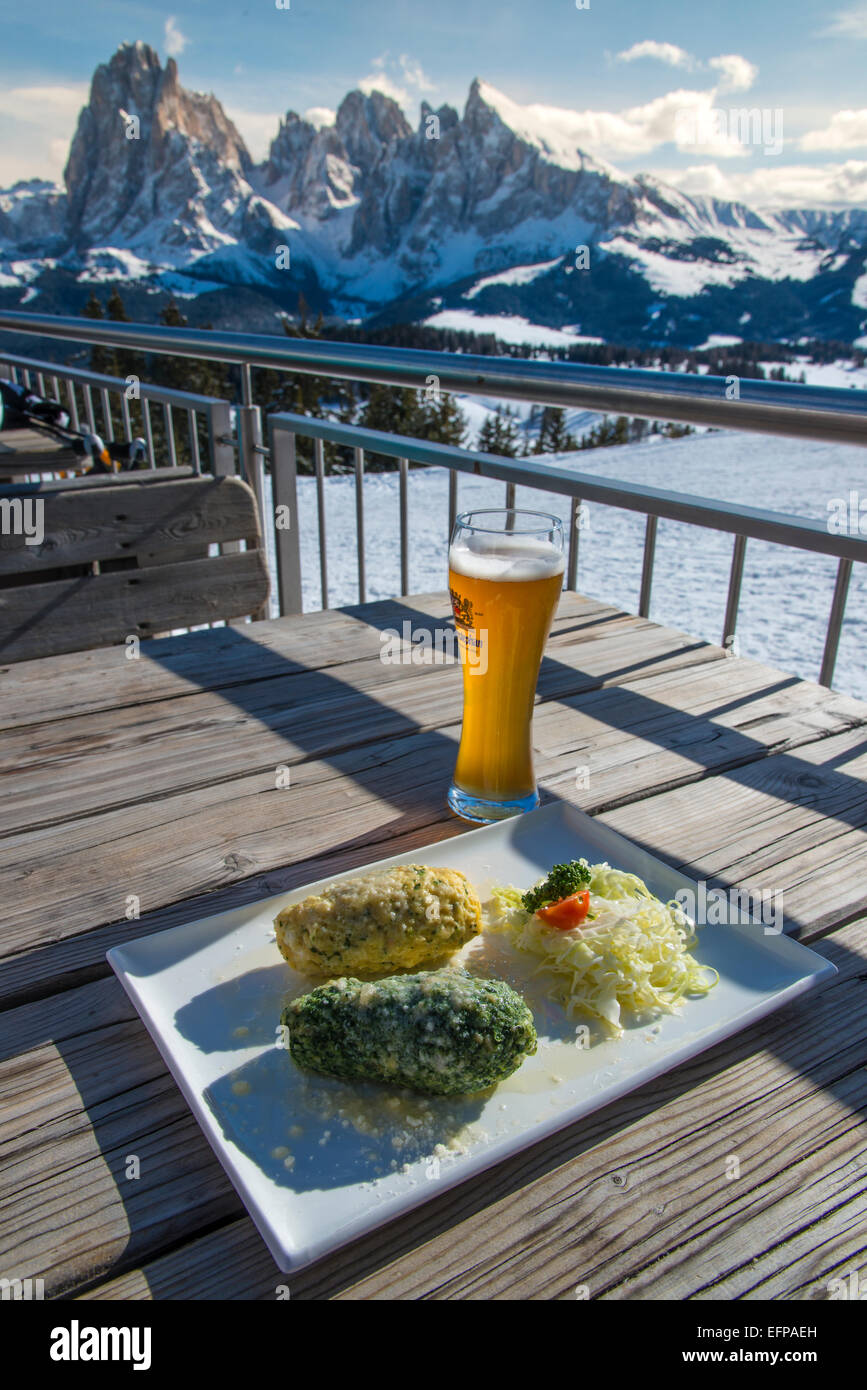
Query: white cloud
738	74
664	52
846	130
36	126
381	82
687	118
777	186
848	24
320	116
257	128
173	40
402	79
415	75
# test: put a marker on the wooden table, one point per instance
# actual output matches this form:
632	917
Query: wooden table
156	778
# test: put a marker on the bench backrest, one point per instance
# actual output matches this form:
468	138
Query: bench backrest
88	567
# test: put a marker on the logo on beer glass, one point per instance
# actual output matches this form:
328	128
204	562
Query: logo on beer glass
462	609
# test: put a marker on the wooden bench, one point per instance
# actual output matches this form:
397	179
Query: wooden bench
25	451
132	559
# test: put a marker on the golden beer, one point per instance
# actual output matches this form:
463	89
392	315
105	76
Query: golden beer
504	588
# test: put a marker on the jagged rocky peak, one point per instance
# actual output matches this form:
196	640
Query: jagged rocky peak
33	217
364	129
447	119
368	125
315	172
145	146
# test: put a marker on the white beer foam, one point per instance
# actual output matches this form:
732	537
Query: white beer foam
506	555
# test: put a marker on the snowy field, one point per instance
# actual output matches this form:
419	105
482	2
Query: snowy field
786	595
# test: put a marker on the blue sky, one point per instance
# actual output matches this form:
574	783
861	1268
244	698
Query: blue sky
630	70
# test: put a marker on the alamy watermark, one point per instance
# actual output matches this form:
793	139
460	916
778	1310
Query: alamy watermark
847	516
439	646
21	1290
759	126
23	516
719	907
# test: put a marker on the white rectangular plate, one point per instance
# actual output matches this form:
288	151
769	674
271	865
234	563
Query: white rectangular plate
319	1162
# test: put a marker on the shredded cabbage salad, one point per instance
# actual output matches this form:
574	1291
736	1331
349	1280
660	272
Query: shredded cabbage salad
632	953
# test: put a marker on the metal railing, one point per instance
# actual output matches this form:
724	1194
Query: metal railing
81	387
782	408
769	407
744	523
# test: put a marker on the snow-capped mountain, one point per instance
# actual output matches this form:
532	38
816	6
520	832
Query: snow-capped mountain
494	217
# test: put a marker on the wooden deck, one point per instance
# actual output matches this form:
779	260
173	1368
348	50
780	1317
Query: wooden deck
156	778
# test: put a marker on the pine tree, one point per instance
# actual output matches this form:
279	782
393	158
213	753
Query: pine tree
123	363
101	359
445	422
554	438
116	309
499	434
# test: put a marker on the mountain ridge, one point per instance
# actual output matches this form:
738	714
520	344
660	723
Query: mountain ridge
486	213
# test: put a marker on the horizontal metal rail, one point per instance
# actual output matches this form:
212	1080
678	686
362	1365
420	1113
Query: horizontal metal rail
742	522
37	375
162	395
770	407
802	532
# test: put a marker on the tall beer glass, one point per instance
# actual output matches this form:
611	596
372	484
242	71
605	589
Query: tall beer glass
505	577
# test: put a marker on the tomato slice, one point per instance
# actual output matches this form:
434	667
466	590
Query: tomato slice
568	912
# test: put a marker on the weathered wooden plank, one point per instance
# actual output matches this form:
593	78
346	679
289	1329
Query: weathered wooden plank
80	765
29	451
159	520
229	1263
142	477
15	466
82	682
75	1109
29	441
795	824
639	1200
65	615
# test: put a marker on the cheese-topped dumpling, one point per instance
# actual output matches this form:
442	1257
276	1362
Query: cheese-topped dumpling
388	919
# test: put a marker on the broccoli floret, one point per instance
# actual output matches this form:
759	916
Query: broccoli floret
562	881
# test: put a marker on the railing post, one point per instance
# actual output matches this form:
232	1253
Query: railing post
734	597
148	430
221	453
572	572
319	460
647	566
403	465
71	404
108	424
125	415
287	533
169	426
250	443
193	424
221	444
359	522
250	439
835	622
453	499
